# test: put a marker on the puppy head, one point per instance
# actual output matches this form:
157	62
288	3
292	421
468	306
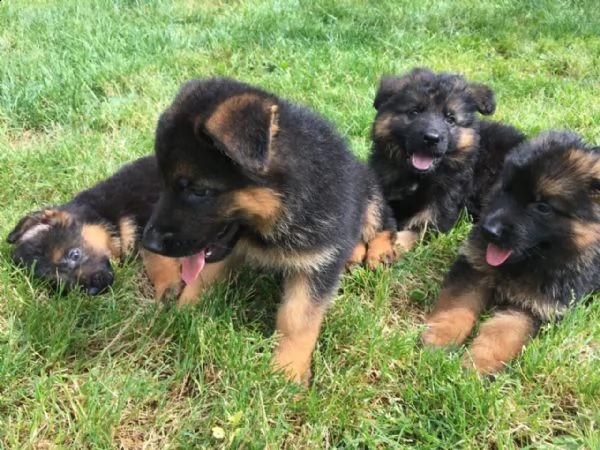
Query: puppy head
426	119
216	149
547	204
63	251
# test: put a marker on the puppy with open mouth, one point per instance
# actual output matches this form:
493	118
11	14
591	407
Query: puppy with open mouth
249	177
431	153
533	254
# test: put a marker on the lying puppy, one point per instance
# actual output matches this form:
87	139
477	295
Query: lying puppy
534	253
250	177
72	245
431	153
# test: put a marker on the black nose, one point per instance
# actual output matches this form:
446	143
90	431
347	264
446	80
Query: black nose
153	240
431	137
492	227
99	282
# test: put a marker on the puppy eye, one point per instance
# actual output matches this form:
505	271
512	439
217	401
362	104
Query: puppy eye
74	254
542	208
450	119
202	192
414	112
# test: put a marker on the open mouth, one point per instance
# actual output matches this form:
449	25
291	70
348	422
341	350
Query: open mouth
496	256
422	161
191	266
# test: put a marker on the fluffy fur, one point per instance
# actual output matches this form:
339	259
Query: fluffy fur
535	251
431	153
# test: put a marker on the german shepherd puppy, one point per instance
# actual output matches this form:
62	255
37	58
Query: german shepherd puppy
249	176
534	252
72	244
431	153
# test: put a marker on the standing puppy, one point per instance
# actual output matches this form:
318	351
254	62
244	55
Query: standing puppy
535	251
431	153
250	177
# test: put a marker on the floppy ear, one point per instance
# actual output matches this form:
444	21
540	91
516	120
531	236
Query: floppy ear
484	98
244	127
388	86
36	222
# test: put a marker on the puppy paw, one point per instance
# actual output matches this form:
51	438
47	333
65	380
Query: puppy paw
358	255
380	250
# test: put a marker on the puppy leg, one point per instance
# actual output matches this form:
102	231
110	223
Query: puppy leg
298	324
406	240
500	339
164	273
212	273
381	249
358	255
459	305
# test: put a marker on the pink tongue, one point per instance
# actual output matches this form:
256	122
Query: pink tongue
191	266
495	255
422	161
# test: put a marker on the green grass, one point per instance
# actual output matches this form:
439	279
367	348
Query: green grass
82	84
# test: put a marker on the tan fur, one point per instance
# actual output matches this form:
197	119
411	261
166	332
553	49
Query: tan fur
260	205
380	249
371	222
220	121
466	140
212	273
382	126
528	297
298	324
585	234
57	217
406	239
286	260
500	339
164	273
358	255
454	316
98	238
421	220
128	235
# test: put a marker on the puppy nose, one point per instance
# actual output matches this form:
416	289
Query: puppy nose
99	283
153	240
431	137
492	228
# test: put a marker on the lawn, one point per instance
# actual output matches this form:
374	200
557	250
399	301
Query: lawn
82	85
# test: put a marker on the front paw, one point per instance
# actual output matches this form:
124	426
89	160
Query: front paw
381	250
358	256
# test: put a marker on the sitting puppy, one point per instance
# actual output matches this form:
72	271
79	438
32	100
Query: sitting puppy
72	245
431	153
250	177
534	252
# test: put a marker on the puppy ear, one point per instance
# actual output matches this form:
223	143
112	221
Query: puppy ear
388	86
36	222
484	98
244	127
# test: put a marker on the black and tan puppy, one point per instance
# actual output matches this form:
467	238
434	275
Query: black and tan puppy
431	153
73	244
251	177
534	252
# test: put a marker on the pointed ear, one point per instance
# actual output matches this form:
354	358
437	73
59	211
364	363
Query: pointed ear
36	222
245	127
484	98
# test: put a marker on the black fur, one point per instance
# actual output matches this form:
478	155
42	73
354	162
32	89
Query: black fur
51	240
434	116
247	172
